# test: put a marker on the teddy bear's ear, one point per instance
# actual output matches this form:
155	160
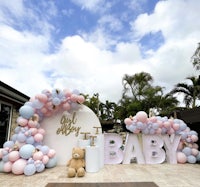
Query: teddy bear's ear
83	150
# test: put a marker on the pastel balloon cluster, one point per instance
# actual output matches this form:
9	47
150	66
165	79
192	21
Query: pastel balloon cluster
25	152
156	125
48	103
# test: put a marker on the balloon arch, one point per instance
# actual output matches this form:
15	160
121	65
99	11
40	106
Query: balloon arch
25	152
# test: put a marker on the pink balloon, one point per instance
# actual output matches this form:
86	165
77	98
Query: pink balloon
33	131
22	121
128	121
171	121
45	159
166	124
194	138
175	126
38	155
43	110
32	123
153	119
195	152
160	123
158	131
81	99
195	145
18	166
67	93
181	158
7	167
74	97
170	131
42	98
141	116
41	131
13	156
66	106
51	153
49	105
38	137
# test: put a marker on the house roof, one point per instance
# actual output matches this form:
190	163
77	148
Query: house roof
189	115
9	94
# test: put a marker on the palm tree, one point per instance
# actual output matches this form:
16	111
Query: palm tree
107	110
136	84
196	58
139	94
191	91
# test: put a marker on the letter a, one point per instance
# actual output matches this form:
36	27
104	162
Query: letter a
133	150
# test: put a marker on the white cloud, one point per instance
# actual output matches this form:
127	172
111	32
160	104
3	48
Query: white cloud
110	23
91	5
177	21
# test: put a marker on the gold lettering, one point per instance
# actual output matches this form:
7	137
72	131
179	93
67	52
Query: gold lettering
67	125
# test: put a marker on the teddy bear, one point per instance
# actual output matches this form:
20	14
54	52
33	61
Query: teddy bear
76	164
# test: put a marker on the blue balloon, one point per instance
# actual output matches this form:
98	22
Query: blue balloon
187	151
56	101
26	111
44	149
191	159
40	167
51	163
5	158
132	128
163	130
21	137
183	126
155	126
17	129
9	144
140	125
14	137
30	140
28	103
26	151
152	131
193	133
37	104
29	169
183	135
74	106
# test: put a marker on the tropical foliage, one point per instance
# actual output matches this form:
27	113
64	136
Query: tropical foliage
196	58
191	91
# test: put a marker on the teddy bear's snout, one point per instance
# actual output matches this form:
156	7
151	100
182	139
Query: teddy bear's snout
76	155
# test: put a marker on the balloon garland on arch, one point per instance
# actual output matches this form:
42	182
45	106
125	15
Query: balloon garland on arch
25	152
187	149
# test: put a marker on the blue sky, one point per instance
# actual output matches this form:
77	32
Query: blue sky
90	44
